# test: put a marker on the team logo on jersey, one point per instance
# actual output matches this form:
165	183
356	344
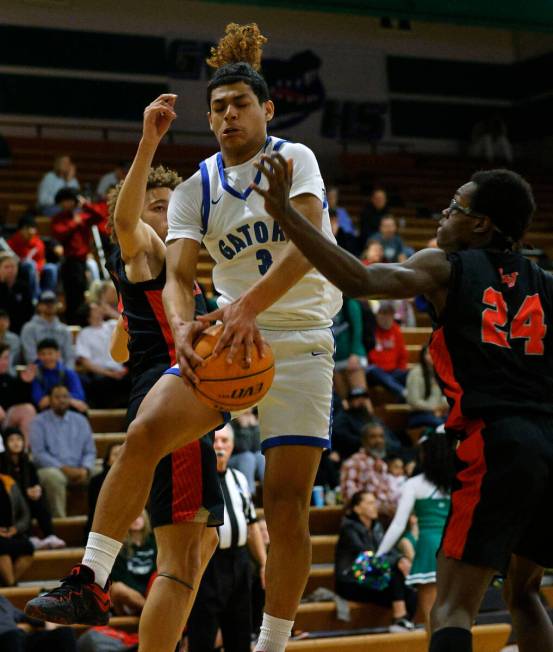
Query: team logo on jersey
508	279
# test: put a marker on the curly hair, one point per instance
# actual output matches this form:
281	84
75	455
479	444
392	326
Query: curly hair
160	177
240	44
237	57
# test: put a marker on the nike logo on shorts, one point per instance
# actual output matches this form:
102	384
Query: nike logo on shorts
315	353
216	201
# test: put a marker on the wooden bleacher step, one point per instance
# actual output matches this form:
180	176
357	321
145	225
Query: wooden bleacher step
486	638
107	420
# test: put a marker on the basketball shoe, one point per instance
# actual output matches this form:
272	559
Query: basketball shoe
77	600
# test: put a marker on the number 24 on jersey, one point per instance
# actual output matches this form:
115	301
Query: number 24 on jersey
527	324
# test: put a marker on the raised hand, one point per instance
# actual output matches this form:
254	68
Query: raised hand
158	117
279	172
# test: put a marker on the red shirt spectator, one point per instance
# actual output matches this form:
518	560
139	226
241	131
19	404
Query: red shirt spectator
389	352
71	227
26	242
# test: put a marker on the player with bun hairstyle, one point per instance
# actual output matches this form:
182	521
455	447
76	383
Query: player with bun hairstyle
268	290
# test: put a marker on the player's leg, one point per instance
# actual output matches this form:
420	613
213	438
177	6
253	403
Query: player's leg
289	476
163	423
426	596
294	421
533	629
460	589
184	550
169	417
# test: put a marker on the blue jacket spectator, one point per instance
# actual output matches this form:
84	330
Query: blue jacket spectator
394	249
50	372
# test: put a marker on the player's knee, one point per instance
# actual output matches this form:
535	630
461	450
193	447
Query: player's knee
183	561
521	592
286	510
140	442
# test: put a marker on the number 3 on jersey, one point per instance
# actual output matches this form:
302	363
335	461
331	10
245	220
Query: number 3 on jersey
265	260
527	324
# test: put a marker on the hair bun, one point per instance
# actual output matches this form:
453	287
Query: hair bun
240	44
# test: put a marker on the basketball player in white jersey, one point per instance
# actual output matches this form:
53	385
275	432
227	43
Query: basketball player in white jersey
267	290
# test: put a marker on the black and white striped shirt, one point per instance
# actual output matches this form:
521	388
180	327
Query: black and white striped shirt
239	510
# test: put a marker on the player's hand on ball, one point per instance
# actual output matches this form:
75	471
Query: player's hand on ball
187	358
239	328
278	172
158	117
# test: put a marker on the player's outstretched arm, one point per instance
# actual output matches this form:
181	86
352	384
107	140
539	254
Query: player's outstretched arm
427	272
132	233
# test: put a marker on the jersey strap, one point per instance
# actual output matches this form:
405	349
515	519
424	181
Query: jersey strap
279	144
205	195
226	185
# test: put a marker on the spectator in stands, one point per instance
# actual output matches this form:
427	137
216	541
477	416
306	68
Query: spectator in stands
392	244
490	139
112	178
63	449
72	228
11	339
30	248
105	295
346	233
350	422
16	408
367	470
16	550
16	463
247	456
15	639
373	253
344	240
350	354
361	531
388	359
106	382
15	294
398	472
50	371
97	481
371	215
134	568
61	177
46	325
429	406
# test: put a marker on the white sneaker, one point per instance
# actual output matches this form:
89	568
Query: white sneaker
38	544
53	542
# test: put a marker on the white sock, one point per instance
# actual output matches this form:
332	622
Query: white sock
100	555
274	634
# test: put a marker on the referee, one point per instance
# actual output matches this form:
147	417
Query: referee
224	596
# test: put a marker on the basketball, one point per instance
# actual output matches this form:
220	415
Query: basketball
231	387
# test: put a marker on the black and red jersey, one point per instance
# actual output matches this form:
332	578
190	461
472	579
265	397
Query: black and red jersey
150	338
492	347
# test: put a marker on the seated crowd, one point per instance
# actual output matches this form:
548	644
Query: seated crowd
50	290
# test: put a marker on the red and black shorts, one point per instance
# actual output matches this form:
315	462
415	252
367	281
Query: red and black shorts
186	486
503	492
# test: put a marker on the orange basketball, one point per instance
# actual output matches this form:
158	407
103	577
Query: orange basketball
230	387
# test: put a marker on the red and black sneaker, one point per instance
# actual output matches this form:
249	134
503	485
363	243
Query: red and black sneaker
78	600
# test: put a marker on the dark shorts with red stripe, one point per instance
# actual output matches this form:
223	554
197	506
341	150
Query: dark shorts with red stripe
186	486
503	492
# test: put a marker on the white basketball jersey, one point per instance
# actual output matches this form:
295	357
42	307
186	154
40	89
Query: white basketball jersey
217	206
